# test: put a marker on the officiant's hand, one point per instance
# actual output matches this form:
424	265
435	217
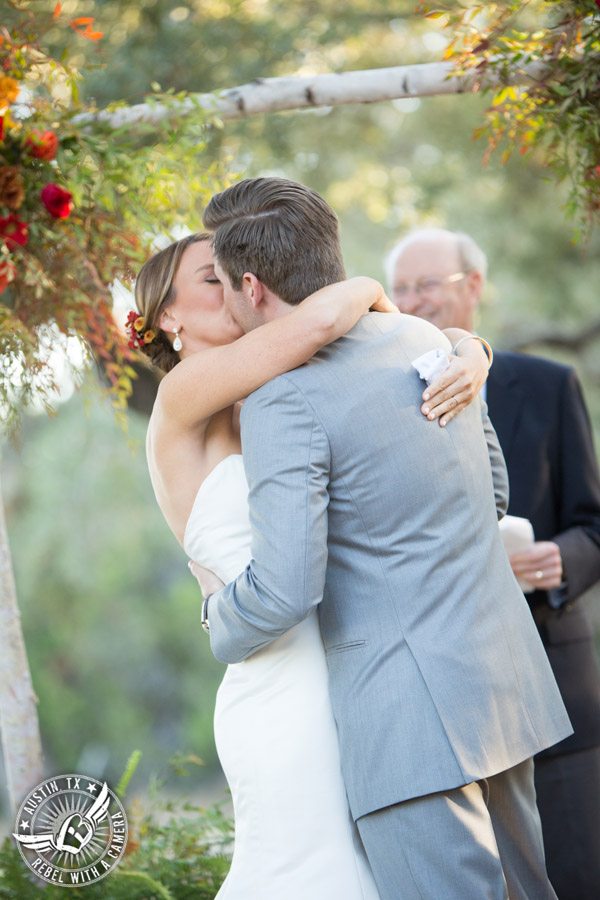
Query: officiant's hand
208	581
541	566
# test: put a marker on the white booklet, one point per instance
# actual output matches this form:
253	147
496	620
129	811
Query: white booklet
517	535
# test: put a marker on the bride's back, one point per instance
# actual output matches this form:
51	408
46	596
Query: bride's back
180	458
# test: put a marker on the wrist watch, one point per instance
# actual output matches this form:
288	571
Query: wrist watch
204	613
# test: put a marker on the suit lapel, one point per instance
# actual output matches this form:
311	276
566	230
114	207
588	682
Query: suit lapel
505	400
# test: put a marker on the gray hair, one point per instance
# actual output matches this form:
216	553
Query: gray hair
470	255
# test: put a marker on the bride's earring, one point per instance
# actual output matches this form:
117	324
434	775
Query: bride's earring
177	345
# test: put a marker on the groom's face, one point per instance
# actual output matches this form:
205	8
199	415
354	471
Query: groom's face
238	303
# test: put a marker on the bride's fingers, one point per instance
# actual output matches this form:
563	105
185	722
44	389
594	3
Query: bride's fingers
455	379
447	409
438	390
384	304
447	401
463	402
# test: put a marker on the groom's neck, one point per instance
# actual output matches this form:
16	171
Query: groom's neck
272	307
278	307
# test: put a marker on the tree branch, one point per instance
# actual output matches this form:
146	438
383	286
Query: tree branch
21	742
551	336
265	95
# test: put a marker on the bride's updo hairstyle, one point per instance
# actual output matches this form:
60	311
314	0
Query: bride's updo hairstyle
155	291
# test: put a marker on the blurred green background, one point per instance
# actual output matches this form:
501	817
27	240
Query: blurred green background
110	611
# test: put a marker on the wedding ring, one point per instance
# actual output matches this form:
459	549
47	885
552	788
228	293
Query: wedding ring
455	402
539	574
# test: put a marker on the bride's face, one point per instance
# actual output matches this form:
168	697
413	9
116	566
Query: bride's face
198	311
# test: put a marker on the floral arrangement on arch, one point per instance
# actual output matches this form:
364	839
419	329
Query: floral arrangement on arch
55	238
24	154
76	199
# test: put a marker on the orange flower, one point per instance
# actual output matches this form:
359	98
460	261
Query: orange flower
12	192
42	144
8	272
88	31
149	336
9	90
139	323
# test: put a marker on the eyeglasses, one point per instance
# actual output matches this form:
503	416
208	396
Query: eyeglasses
427	285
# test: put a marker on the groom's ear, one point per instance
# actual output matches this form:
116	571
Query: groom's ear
253	289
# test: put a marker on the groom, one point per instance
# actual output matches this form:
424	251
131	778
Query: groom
441	689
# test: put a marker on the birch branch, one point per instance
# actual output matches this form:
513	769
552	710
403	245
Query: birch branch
266	95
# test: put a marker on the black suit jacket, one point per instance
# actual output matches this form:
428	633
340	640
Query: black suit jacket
539	414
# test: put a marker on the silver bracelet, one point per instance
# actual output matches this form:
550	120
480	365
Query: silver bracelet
204	613
475	337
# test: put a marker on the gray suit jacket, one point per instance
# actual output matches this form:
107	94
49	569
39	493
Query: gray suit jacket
388	523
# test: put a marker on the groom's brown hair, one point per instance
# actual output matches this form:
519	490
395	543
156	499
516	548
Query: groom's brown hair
281	231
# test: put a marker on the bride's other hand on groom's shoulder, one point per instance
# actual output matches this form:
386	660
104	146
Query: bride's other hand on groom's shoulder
454	389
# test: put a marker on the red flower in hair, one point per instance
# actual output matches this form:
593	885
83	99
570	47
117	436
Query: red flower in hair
135	326
57	201
13	231
42	144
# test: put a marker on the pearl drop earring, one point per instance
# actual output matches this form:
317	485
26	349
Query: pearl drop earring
177	345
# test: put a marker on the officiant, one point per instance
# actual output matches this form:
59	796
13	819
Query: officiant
539	414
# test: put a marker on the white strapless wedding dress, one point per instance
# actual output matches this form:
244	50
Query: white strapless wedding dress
276	736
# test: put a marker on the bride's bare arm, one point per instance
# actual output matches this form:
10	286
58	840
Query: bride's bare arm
201	385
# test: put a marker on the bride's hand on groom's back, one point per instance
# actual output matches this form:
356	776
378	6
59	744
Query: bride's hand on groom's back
454	389
208	581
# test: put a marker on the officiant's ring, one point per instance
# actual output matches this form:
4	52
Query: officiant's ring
539	574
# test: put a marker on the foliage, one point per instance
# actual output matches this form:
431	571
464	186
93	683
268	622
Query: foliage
557	114
385	167
208	45
109	609
76	208
175	851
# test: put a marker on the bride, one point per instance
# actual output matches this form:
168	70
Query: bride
274	728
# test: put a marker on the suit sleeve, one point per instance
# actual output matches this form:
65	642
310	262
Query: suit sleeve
497	463
579	537
286	455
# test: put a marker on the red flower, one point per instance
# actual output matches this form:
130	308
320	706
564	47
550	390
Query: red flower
42	144
57	201
8	272
13	231
1	127
598	4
